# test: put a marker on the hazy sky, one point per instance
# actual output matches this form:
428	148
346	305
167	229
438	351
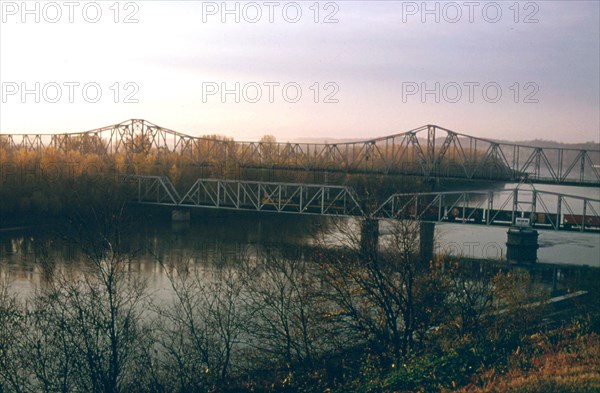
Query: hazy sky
501	70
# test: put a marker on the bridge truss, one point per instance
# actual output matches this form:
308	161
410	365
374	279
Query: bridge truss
430	151
546	210
326	200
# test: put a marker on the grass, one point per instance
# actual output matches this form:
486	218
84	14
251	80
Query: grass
561	361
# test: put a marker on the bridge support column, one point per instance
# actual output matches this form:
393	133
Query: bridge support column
522	244
369	236
426	232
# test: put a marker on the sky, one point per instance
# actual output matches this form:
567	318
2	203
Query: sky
344	69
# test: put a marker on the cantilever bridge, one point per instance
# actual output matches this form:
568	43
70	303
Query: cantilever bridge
546	210
430	151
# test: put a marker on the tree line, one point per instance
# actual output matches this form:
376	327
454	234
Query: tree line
44	183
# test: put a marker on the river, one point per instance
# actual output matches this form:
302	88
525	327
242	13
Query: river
571	248
221	236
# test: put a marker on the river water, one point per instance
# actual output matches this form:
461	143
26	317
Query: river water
224	235
572	248
211	237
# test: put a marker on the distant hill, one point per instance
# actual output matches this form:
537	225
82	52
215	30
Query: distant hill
545	143
325	140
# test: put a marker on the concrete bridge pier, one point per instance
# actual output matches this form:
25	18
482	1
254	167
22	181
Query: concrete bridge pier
522	244
426	232
369	236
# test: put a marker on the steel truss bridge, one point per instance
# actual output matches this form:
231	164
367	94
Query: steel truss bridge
546	210
430	151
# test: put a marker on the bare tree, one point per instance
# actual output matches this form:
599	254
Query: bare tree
14	374
87	325
386	297
471	298
203	327
285	302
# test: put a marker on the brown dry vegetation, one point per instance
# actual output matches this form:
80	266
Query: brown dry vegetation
42	183
562	361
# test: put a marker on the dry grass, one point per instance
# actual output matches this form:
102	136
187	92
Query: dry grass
570	364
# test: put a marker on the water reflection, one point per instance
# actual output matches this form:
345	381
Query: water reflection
29	256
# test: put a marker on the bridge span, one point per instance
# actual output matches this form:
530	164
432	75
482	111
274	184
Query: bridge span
546	210
430	151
